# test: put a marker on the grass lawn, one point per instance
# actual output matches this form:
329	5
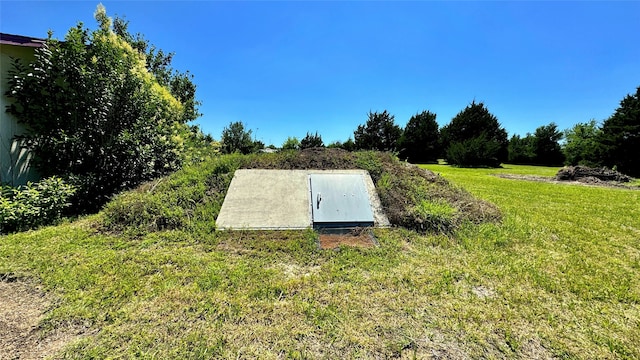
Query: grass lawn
559	277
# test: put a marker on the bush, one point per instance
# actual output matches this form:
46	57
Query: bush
478	151
33	205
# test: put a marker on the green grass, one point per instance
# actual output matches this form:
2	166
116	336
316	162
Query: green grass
559	277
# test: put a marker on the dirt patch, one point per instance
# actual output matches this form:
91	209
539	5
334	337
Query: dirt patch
355	238
22	309
587	181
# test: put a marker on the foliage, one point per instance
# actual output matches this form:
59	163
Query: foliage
581	145
236	139
159	64
292	143
474	152
348	145
311	141
420	139
96	115
521	150
475	129
547	147
379	133
33	205
620	136
541	148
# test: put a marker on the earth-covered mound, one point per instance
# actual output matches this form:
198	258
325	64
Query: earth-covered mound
411	197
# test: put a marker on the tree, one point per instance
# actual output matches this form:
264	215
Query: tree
292	143
470	127
521	150
620	136
311	141
159	64
546	141
236	139
95	115
348	145
420	139
379	133
581	145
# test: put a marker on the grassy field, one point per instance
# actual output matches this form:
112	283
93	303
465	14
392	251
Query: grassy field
558	278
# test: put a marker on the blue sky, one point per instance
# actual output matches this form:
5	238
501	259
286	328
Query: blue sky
288	68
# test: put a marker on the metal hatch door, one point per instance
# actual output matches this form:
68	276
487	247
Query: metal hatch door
340	200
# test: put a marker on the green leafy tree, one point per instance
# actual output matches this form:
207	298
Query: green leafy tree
581	145
546	141
236	139
420	139
348	145
521	150
95	114
472	125
159	64
620	136
292	143
311	141
379	133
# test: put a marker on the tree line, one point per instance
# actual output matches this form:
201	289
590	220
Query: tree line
475	137
105	111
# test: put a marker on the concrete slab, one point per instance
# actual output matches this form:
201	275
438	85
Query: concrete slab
280	199
266	199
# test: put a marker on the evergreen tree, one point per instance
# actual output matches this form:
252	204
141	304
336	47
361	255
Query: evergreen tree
546	141
620	136
476	131
522	150
379	133
420	139
311	141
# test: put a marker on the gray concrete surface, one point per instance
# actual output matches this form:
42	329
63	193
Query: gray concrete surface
279	199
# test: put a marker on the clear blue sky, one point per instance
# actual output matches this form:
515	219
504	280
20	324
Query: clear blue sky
285	68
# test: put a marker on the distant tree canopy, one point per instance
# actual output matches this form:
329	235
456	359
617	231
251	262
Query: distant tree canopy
236	139
541	148
348	145
581	145
521	150
97	116
379	133
420	139
292	143
311	141
619	137
474	137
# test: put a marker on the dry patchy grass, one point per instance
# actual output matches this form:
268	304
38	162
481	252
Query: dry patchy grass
558	278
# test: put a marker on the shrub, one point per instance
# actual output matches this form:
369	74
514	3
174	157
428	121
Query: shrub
477	151
33	205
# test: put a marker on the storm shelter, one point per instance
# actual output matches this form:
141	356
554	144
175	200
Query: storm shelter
298	199
339	200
